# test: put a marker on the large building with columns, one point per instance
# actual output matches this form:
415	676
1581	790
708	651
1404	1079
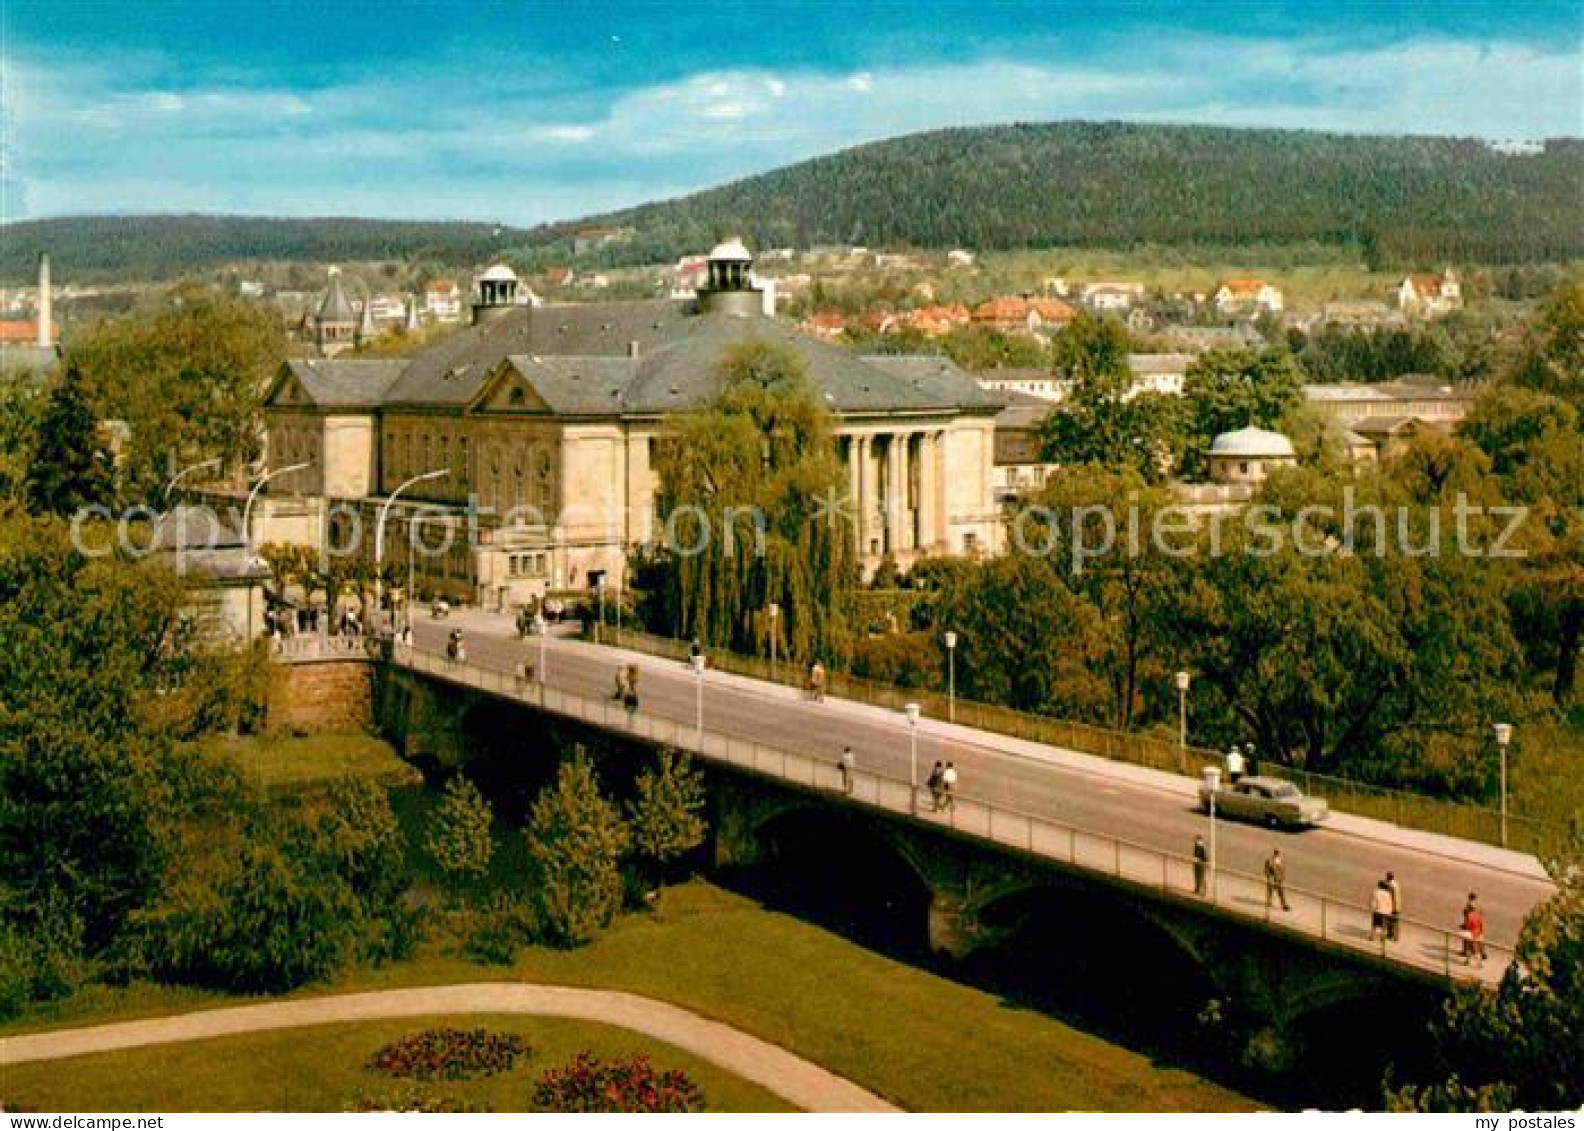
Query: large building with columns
546	418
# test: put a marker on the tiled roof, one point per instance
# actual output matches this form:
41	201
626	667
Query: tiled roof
346	384
335	307
24	330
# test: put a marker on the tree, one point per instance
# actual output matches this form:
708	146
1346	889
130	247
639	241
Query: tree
1536	446
1100	421
459	838
754	497
1229	389
576	838
1517	1049
667	815
1024	639
187	374
70	468
1552	359
22	402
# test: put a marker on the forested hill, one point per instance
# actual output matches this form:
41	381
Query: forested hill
1403	200
85	248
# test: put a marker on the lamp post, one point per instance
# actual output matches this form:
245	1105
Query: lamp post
1503	740
1182	680
247	527
698	685
773	611
951	676
379	542
186	471
1212	782
543	627
912	710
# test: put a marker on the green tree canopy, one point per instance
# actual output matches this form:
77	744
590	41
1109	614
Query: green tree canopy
187	375
577	839
667	813
69	467
1225	390
755	502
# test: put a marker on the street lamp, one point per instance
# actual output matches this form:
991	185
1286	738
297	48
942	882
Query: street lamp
184	472
912	710
698	683
247	527
1212	782
379	542
543	628
1182	680
951	676
1503	740
773	611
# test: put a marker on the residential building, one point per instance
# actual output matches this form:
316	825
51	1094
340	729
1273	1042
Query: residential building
1019	313
443	300
1249	297
1430	296
1111	296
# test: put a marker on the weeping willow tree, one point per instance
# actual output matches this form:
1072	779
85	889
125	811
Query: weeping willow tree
754	502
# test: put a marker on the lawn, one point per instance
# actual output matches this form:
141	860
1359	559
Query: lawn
1547	771
279	764
323	1069
923	1042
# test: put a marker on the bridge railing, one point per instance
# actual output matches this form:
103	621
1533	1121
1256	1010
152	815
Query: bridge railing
1400	807
1342	923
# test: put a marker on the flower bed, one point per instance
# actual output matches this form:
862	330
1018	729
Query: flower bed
450	1054
590	1084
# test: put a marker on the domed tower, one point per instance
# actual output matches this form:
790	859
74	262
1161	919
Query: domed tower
496	288
731	287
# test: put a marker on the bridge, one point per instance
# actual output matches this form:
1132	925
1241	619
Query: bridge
1030	805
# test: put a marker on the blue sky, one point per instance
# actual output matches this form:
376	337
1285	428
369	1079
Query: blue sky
522	112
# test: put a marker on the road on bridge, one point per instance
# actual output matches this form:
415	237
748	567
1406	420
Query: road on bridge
1146	807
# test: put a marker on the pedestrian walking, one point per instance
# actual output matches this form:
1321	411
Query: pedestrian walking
847	764
621	683
936	786
1473	931
949	784
695	650
630	699
1276	879
1380	912
1394	923
1234	765
817	682
1201	864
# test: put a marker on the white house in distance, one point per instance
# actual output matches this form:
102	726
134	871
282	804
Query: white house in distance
443	301
1102	297
1248	297
1430	296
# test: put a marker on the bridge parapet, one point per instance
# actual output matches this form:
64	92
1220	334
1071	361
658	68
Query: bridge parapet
1338	925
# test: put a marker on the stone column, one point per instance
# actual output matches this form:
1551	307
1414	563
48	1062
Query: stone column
896	490
855	491
866	494
926	495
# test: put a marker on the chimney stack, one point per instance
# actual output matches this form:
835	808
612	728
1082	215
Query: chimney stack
46	327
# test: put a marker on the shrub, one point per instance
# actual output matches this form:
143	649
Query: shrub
497	931
668	813
576	838
590	1084
16	973
450	1054
459	835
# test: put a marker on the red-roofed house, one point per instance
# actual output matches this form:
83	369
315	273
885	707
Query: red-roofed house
1430	296
1247	296
1030	315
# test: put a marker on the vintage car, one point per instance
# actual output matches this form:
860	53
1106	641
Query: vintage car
1268	801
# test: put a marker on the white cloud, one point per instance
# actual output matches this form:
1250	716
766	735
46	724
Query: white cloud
85	136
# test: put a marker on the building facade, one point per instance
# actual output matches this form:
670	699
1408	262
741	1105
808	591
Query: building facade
543	422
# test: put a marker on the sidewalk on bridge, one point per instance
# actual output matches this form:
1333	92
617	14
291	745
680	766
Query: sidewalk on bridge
1364	828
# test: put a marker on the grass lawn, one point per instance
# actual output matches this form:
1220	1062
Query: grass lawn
321	1068
1547	770
923	1042
278	764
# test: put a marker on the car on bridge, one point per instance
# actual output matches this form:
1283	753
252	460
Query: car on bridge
1266	800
